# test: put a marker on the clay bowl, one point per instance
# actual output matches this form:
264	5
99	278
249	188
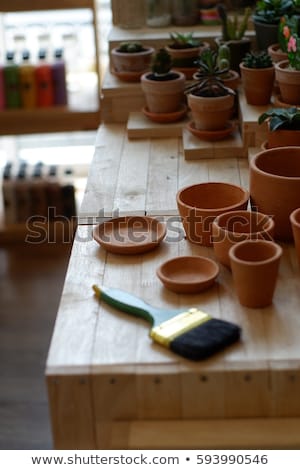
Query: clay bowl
295	222
188	274
232	227
201	203
254	265
275	186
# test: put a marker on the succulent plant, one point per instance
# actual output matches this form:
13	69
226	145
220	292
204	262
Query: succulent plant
184	40
131	47
162	62
232	28
270	11
281	118
257	60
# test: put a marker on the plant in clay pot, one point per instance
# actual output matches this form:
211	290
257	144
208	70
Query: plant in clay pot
258	72
230	78
233	34
283	126
210	101
131	58
287	26
184	50
266	19
287	72
163	87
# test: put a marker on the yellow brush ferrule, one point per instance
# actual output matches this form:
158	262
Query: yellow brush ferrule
167	331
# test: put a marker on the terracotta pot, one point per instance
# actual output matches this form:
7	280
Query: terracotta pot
258	84
201	203
254	265
233	80
295	222
238	50
275	186
232	227
288	81
283	138
163	96
210	113
131	61
183	59
276	54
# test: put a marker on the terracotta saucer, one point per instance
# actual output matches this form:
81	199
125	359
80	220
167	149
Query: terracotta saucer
219	134
165	117
128	76
281	104
188	274
130	235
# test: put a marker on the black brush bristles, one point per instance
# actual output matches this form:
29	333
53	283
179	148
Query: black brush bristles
206	339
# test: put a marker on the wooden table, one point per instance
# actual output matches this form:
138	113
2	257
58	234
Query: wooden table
109	385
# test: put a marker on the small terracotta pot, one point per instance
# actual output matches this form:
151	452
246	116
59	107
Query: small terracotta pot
200	204
232	227
163	96
254	265
295	222
183	59
258	84
276	54
275	186
288	82
283	138
131	61
211	113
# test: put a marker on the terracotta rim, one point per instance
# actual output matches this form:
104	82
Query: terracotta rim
149	50
274	150
268	225
243	200
276	249
295	217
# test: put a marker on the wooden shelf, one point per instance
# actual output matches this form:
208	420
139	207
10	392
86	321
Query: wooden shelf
30	5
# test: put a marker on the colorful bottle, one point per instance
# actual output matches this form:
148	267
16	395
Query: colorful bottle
23	199
27	82
68	195
11	82
44	82
59	79
54	194
38	192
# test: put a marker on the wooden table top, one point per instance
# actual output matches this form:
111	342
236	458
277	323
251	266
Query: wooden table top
138	177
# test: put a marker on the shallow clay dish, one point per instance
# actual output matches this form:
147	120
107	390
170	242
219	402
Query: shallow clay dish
211	135
130	235
188	274
165	117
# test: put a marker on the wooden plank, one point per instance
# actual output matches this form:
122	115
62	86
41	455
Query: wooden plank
71	412
139	126
195	148
18	5
208	434
253	134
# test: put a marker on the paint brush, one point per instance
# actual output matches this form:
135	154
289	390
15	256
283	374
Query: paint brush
190	333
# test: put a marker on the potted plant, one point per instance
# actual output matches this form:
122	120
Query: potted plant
233	34
287	72
283	126
266	19
229	77
210	101
130	60
185	12
184	50
163	87
257	72
278	50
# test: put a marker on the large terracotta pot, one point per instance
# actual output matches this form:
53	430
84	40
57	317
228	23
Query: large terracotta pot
266	34
254	265
288	81
163	96
200	204
131	61
211	113
258	84
283	138
275	186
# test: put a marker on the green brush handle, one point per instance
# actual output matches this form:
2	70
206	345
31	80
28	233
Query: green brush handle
125	302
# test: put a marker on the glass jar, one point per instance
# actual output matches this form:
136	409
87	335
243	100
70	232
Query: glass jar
185	12
158	13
